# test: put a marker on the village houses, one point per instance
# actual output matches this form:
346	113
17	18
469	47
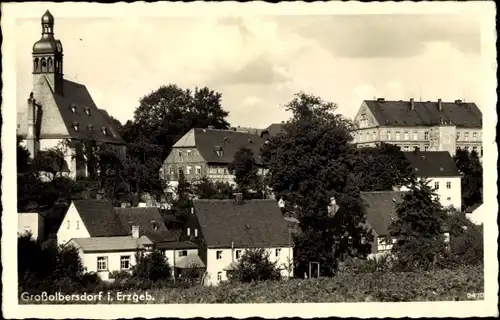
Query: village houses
60	110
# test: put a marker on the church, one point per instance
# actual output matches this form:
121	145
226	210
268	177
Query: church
59	110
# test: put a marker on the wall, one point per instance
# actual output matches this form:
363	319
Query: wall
76	227
182	158
31	222
443	138
447	197
214	266
174	255
89	261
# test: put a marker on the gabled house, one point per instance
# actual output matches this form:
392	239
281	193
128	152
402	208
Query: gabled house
440	169
108	238
207	153
224	229
427	126
58	109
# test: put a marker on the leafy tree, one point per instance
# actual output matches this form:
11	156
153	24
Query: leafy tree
244	170
466	240
311	161
472	180
418	228
254	265
153	266
207	189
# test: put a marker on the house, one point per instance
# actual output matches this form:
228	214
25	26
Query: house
31	222
475	213
59	110
443	175
111	234
380	209
428	126
224	229
207	153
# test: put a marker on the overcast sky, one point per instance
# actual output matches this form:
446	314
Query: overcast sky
258	62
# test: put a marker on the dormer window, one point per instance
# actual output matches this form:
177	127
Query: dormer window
90	127
219	151
87	111
76	126
104	131
73	108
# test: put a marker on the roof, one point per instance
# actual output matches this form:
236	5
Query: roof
399	113
207	141
177	245
474	207
103	244
273	130
149	220
432	163
380	207
76	94
192	260
100	218
256	223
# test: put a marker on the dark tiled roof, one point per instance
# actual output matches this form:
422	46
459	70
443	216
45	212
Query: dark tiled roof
432	164
146	219
100	218
255	223
77	94
380	206
177	245
474	207
399	113
273	130
207	140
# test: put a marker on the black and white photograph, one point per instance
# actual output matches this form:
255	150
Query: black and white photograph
319	160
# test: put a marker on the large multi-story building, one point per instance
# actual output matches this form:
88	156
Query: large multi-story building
426	126
58	109
207	153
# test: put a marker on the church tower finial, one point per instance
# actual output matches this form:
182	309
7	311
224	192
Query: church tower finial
48	55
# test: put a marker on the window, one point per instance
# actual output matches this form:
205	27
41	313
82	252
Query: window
219	276
397	135
374	136
474	136
406	148
448	185
104	131
180	170
225	171
218	254
278	251
426	135
196	233
426	148
367	136
466	136
78	225
458	135
189	153
481	151
415	135
212	170
449	198
90	127
237	254
67	225
183	253
87	111
474	149
416	148
198	170
102	263
73	108
407	135
436	185
180	153
389	135
76	126
188	231
171	170
188	171
125	262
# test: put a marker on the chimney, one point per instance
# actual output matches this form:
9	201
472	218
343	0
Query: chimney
458	101
412	104
135	232
381	100
440	104
238	198
210	127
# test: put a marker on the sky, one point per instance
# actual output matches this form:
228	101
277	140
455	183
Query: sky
258	62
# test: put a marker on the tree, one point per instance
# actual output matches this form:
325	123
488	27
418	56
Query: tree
309	162
418	228
153	266
244	170
254	265
472	177
466	239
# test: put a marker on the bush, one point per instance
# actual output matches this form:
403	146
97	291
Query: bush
255	265
153	266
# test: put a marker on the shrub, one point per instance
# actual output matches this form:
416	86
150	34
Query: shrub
153	266
255	265
120	276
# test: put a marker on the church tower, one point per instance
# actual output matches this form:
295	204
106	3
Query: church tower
48	56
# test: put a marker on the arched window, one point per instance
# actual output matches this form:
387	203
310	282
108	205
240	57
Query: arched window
36	65
50	64
44	65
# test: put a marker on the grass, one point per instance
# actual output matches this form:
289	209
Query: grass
440	285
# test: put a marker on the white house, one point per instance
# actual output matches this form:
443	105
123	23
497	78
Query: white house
30	222
224	229
476	213
439	168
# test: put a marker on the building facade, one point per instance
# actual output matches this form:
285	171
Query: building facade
426	126
30	222
60	113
